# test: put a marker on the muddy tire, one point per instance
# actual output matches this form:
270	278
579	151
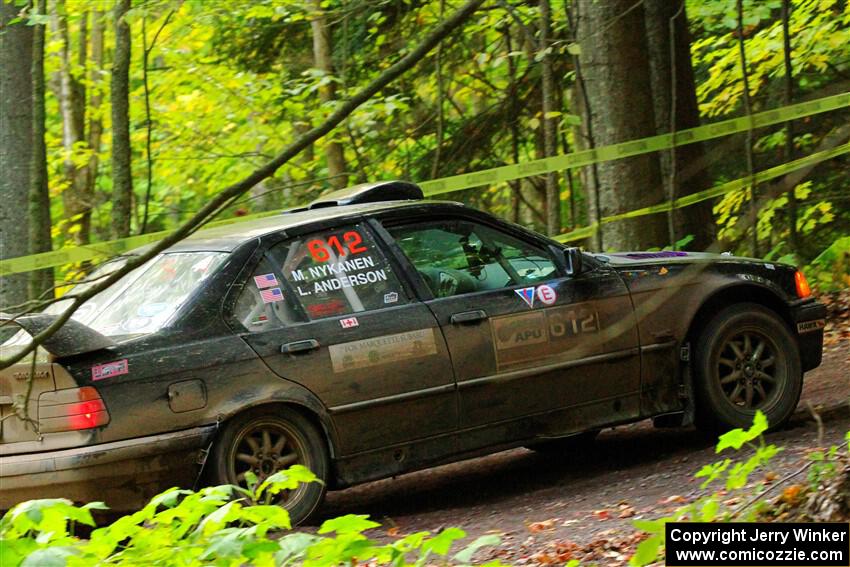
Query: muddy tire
746	359
566	446
265	441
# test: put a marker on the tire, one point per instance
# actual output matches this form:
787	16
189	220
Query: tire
276	438
746	360
565	446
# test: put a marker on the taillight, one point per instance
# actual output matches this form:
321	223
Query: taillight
803	289
71	410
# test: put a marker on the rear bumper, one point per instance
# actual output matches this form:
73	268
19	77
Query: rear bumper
124	474
809	318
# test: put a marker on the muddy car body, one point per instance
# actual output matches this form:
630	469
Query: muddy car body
364	338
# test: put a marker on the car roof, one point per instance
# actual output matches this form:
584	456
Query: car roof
227	237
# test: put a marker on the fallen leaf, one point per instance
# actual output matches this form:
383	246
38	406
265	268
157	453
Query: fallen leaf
626	512
535	527
791	495
675	499
602	514
393	532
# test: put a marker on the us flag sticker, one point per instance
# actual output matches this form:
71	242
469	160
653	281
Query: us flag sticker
271	295
264	281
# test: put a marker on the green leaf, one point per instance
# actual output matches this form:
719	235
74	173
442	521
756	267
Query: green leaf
350	523
647	551
442	542
738	437
465	555
49	557
574	49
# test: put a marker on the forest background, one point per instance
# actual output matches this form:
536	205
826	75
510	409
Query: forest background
125	117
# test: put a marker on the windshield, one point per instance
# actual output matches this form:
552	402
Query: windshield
146	299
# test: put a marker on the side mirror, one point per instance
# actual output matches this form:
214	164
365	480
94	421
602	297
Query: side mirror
573	259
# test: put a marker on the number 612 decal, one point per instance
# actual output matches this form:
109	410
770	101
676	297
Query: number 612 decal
320	249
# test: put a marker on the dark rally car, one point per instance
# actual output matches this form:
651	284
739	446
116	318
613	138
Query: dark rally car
364	337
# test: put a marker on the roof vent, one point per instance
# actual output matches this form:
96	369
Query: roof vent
370	193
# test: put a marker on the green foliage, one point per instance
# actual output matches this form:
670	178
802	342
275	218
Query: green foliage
221	525
710	508
830	270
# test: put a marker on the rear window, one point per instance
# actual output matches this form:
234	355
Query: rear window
146	299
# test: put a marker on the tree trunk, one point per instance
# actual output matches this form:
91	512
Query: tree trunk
683	169
615	71
41	281
550	126
72	103
16	118
95	103
122	177
788	97
327	94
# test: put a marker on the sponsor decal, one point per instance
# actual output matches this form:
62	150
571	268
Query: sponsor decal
546	294
527	295
110	369
390	297
271	295
663	271
349	322
545	333
387	349
809	326
770	266
265	280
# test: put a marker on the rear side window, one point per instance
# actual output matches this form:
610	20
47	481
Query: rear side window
337	272
265	303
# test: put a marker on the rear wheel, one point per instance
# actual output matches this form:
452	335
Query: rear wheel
746	360
269	440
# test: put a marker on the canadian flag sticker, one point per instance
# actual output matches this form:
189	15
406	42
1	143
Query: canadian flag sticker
349	322
546	294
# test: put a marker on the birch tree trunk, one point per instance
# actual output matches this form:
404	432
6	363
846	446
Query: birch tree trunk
16	118
41	281
327	94
122	177
72	103
616	75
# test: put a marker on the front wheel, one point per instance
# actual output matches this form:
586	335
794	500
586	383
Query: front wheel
746	360
269	440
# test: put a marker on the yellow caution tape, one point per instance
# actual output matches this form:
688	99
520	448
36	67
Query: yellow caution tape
509	173
635	147
712	193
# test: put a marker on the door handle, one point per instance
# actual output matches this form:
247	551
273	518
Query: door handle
468	317
296	347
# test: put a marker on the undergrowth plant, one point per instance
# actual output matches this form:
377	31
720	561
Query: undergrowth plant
734	476
219	525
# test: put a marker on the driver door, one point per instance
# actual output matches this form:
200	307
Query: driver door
525	339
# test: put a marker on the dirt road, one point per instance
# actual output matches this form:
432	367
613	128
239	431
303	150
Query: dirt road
634	471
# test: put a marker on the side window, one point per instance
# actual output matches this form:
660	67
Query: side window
337	272
265	303
457	257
